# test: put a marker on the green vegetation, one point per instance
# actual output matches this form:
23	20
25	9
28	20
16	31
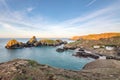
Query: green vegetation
32	63
48	41
114	41
22	77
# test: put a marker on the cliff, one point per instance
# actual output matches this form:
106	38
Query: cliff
96	36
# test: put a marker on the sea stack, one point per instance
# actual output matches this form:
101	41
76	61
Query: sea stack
12	44
31	42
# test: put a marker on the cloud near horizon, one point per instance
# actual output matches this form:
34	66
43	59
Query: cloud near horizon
25	23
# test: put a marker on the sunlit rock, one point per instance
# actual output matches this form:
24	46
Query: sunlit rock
14	44
31	42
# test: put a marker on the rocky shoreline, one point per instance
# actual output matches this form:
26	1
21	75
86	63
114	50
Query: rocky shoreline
22	69
109	48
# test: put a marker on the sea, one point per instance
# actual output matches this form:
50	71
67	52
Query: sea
43	55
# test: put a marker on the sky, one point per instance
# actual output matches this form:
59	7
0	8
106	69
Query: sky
58	18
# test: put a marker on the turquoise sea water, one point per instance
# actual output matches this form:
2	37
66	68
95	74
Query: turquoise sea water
44	55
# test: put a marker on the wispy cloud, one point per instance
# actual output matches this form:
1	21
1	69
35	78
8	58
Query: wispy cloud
30	9
90	3
25	26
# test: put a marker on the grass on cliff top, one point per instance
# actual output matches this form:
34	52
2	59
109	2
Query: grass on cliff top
90	43
48	41
32	63
74	43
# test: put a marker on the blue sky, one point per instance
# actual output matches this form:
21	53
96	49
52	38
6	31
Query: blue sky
58	18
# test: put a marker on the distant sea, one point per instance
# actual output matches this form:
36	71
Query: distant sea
43	55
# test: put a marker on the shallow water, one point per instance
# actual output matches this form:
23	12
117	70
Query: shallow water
44	55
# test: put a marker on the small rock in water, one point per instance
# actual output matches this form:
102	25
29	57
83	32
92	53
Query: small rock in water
60	50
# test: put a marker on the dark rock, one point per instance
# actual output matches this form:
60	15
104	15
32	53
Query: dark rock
113	57
83	54
110	57
81	49
60	50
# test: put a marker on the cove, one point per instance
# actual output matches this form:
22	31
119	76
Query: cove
43	55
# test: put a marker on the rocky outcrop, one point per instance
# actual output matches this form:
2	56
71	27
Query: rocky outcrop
67	46
49	42
102	64
31	42
83	53
13	44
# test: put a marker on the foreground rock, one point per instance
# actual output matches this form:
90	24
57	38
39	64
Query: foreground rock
20	69
30	70
102	70
13	44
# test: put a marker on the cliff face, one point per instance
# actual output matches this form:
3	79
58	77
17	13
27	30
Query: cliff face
96	36
21	69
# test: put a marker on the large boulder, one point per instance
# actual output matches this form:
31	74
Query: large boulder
31	42
100	63
11	44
